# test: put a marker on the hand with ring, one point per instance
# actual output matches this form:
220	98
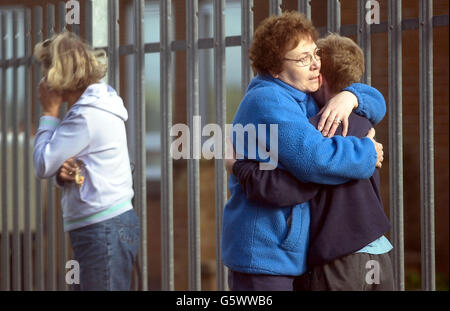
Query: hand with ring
335	112
66	172
337	121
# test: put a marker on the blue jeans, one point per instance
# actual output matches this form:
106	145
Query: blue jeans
106	252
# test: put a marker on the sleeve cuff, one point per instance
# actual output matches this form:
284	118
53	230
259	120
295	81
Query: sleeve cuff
48	122
373	165
361	109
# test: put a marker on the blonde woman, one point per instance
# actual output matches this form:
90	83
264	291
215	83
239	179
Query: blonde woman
96	178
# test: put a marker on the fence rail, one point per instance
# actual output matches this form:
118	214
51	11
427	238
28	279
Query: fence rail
37	266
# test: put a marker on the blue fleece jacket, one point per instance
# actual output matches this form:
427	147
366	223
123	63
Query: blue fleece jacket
259	239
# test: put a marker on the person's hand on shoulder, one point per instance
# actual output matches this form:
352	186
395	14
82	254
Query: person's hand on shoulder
337	110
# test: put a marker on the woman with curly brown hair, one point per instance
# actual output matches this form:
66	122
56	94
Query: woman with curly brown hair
265	247
96	180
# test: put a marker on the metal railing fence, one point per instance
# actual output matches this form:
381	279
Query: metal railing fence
38	262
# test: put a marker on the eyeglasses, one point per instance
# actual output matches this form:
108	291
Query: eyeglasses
307	59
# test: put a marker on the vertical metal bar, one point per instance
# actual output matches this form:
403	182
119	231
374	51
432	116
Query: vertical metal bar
396	141
61	16
220	102
63	254
39	266
61	250
62	246
193	164
51	20
334	16
113	45
88	22
426	143
167	263
246	39
204	31
275	7
61	266
304	6
51	219
27	260
16	249
5	258
75	27
140	155
364	41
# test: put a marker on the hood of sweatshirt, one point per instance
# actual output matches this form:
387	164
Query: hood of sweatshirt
104	97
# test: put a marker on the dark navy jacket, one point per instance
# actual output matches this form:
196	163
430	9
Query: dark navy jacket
344	218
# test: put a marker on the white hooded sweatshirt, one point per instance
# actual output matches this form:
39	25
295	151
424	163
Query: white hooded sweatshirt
92	131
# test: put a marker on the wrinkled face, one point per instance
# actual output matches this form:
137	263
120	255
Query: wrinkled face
304	78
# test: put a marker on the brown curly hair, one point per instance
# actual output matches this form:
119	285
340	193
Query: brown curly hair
274	37
342	61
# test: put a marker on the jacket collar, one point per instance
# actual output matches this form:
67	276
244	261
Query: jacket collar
298	95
